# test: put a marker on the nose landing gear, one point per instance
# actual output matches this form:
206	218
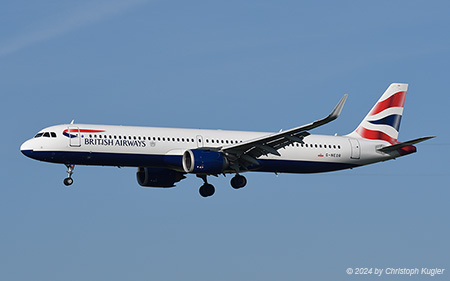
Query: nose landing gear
68	181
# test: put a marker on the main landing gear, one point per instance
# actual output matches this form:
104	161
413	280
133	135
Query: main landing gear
68	181
207	189
238	181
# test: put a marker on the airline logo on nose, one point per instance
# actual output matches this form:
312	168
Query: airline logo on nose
67	132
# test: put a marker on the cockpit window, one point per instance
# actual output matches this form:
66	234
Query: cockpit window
46	134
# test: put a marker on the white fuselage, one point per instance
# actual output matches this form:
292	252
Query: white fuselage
84	144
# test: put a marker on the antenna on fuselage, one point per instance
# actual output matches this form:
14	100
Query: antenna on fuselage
72	121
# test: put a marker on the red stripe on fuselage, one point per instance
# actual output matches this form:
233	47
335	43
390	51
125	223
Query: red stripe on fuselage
82	131
375	135
396	100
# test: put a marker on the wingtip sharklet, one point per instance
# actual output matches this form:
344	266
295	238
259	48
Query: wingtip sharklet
338	108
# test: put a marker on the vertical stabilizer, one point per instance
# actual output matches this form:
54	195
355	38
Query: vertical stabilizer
383	121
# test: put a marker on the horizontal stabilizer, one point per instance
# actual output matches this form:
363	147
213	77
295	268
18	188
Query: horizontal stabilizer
396	146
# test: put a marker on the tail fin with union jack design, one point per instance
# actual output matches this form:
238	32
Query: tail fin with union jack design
383	121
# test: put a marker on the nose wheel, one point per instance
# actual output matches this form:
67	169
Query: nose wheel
68	181
206	189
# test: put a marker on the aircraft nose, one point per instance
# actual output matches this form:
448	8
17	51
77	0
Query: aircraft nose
26	148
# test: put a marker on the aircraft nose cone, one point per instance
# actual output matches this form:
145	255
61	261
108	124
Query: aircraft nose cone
26	148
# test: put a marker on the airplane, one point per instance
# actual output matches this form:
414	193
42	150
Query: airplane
164	156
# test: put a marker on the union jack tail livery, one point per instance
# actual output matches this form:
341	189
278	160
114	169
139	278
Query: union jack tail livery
383	121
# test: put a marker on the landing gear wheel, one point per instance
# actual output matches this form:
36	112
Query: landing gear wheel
238	181
207	190
68	181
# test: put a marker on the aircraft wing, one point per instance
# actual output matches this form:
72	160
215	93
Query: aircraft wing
245	153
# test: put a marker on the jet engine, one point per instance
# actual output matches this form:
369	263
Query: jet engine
201	161
156	177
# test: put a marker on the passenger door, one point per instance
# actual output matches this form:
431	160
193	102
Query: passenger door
74	136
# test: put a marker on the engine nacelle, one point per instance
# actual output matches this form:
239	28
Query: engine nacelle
200	161
155	177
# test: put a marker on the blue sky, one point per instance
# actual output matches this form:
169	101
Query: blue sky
241	65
